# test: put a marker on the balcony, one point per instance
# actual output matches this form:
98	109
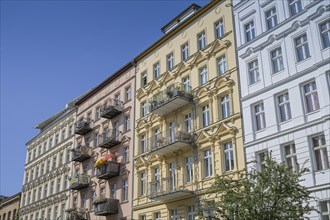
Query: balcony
83	126
109	139
105	206
81	153
79	181
165	143
114	108
167	190
108	170
75	214
171	99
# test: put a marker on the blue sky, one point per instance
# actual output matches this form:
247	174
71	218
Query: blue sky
53	51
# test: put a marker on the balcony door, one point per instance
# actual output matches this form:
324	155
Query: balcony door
171	129
157	179
172	178
158	138
116	130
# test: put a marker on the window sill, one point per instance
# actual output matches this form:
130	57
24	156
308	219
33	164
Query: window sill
285	122
313	112
255	83
261	130
304	60
278	72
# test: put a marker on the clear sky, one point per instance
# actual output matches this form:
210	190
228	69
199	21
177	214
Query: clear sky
54	51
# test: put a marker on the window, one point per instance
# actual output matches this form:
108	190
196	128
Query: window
143	109
98	112
259	116
325	209
50	143
229	156
102	191
188	122
54	162
249	31
113	189
63	134
126	154
58	188
222	65
70	130
189	169
39	193
219	29
125	190
49	213
157	179
320	153
156	70
284	107
57	139
142	217
65	182
207	163
55	212
92	198
201	40
191	213
186	83
51	190
127	125
302	49
172	173
261	160
225	107
325	33
157	216
144	79
185	51
142	183
290	156
68	153
203	75
174	214
206	116
45	191
39	150
271	18
295	6
171	131
311	97
170	61
128	93
61	159
277	60
253	72
143	144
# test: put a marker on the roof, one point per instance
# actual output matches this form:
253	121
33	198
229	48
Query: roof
11	198
180	18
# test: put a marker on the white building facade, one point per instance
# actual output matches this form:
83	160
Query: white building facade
45	192
284	66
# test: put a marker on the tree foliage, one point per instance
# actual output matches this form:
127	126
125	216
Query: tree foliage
273	193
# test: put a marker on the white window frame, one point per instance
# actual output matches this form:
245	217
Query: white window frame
222	65
271	18
186	83
259	116
229	156
324	213
191	212
142	183
185	51
225	106
143	109
249	31
201	40
261	159
143	143
144	79
253	71
290	156
127	126
219	29
276	56
174	214
206	115
203	73
128	93
189	169
323	164
113	190
170	61
295	6
313	95
156	70
188	122
126	154
283	107
325	33
208	166
302	48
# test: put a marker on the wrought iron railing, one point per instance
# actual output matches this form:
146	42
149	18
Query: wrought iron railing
109	138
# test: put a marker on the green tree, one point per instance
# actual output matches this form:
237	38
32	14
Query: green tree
272	193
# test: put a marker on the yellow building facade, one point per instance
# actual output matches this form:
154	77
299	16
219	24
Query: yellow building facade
188	121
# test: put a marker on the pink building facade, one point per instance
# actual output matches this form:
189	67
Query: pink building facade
102	164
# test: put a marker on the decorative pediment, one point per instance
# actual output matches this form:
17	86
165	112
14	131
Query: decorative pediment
201	92
182	67
125	139
139	161
166	77
203	136
124	171
153	86
220	83
199	56
140	93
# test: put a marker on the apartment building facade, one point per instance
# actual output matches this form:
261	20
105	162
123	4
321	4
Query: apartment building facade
283	53
9	207
45	192
188	123
101	178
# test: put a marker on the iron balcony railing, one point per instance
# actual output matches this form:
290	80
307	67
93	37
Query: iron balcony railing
106	206
81	153
167	189
79	181
83	126
109	139
76	214
167	142
172	98
112	109
108	170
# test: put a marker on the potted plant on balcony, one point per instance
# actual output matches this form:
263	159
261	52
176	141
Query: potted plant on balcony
179	90
169	93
